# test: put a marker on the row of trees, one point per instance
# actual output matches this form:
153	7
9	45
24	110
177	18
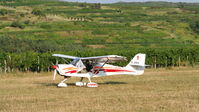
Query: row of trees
37	62
93	6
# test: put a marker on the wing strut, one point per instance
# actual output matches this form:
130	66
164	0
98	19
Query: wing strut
97	71
65	60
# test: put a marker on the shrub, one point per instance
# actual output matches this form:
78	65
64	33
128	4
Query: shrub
45	26
27	22
3	12
95	6
37	12
17	24
195	26
127	24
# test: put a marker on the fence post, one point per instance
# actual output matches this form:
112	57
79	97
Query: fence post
0	68
38	61
179	60
5	66
187	60
155	62
9	64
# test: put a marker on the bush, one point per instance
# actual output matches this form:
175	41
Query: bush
37	12
95	6
45	26
127	24
27	22
17	24
3	12
82	5
195	26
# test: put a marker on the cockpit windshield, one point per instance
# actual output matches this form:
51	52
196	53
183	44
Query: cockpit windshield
74	62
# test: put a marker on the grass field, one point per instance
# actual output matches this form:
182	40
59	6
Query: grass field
32	30
158	90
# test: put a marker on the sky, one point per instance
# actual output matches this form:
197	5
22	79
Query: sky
113	1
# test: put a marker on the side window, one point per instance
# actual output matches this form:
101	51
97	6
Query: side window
74	62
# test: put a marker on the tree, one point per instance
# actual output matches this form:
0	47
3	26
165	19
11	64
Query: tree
83	5
195	26
96	6
181	5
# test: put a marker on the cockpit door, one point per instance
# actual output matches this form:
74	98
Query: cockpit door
80	66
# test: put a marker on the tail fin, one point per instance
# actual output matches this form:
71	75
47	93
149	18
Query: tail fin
138	64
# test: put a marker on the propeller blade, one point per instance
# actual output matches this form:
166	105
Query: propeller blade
56	62
55	73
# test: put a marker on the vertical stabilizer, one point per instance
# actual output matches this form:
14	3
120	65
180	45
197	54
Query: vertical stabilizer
137	64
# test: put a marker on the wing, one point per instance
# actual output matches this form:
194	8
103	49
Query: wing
101	59
65	56
95	59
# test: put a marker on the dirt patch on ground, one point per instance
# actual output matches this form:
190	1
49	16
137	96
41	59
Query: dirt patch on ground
96	46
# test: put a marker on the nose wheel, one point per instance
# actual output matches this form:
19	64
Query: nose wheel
62	84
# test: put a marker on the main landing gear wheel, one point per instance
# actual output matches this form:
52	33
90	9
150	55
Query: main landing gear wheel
80	84
61	85
92	84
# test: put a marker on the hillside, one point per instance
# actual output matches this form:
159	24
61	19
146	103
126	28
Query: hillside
137	25
45	26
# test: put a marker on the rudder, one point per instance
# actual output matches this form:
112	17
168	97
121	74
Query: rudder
138	63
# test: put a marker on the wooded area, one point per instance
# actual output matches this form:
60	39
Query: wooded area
37	62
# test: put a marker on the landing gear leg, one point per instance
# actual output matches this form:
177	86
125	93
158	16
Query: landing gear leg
62	84
91	84
81	79
89	79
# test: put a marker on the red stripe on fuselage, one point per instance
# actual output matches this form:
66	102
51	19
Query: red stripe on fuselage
112	69
73	71
115	70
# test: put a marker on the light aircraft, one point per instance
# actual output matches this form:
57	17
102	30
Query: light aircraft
88	67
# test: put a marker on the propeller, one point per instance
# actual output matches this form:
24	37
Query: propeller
55	73
55	69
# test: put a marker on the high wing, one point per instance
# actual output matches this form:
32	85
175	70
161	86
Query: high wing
101	59
65	56
96	59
